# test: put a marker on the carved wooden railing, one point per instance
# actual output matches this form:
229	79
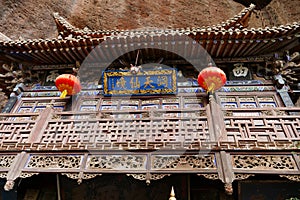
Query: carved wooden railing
258	127
16	128
152	129
178	133
139	129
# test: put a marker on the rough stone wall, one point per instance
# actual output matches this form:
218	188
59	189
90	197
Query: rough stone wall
29	19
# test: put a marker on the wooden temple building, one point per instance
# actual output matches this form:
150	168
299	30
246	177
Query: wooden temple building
125	137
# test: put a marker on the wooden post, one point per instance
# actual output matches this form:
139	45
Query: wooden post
58	187
41	124
16	170
215	121
225	171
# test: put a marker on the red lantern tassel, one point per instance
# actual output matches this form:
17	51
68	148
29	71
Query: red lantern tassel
64	94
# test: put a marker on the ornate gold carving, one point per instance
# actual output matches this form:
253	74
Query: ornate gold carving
210	176
292	177
6	161
117	162
263	162
185	162
60	162
242	176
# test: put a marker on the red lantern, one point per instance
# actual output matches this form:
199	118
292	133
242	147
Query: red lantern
68	84
211	78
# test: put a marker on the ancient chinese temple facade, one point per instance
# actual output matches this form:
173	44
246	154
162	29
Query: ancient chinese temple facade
142	124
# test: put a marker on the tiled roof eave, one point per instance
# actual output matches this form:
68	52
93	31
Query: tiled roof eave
66	28
226	43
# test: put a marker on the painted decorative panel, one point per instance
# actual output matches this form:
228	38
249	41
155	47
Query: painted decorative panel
143	83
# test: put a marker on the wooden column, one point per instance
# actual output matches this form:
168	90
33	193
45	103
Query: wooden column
41	124
215	120
225	171
15	170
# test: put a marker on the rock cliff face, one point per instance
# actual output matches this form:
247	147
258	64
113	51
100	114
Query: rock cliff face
31	19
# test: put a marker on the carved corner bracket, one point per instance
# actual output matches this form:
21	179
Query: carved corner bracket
148	177
80	176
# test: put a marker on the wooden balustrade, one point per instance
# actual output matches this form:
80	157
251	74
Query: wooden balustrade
187	128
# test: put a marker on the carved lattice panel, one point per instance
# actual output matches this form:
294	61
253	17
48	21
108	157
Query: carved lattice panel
264	162
110	131
263	129
16	130
38	105
183	162
117	162
248	101
54	161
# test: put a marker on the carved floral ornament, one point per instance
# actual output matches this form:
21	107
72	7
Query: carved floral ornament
54	162
183	162
264	162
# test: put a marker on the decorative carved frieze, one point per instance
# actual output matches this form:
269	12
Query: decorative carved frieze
210	176
183	162
264	162
79	177
54	162
292	177
143	177
136	162
242	176
6	161
27	174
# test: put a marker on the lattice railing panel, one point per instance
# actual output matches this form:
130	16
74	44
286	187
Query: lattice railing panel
98	128
15	128
262	125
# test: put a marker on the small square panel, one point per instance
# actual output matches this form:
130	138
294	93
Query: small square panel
108	107
87	108
248	105
170	106
129	107
229	105
193	105
149	107
267	104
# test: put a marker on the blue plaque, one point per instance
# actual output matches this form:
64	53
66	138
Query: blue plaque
150	82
